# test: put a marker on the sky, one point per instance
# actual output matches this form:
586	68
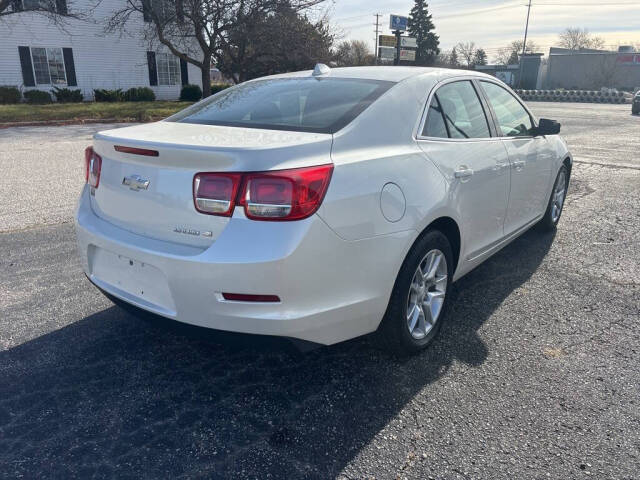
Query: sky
492	24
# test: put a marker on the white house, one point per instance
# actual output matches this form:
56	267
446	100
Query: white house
36	53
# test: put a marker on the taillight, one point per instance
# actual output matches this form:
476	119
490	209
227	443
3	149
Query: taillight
215	193
279	195
92	167
285	194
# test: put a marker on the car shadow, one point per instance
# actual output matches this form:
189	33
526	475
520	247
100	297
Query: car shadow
111	395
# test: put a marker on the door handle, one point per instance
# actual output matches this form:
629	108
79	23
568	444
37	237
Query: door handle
518	165
463	172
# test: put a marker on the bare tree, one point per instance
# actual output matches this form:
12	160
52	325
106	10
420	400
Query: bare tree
575	38
198	31
442	59
353	53
603	71
509	54
466	51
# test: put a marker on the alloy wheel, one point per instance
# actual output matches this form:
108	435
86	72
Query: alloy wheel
426	294
558	196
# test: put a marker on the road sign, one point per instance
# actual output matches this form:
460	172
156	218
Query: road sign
387	41
397	22
387	53
408	42
408	55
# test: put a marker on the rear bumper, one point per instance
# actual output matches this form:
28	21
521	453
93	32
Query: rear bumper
330	289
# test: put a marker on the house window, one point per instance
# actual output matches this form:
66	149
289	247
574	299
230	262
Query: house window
168	69
36	5
57	6
48	66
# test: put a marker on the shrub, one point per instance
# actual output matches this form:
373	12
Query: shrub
37	96
10	95
218	87
191	93
140	94
103	95
65	95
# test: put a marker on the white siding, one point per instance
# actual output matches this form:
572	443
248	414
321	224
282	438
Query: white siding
101	60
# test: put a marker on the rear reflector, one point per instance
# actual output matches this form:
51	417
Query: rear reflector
242	297
136	151
92	167
276	195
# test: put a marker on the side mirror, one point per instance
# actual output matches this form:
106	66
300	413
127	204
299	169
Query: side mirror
547	127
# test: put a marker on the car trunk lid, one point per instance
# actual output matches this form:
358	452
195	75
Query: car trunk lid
152	195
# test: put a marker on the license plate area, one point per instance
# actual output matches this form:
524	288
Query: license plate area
139	280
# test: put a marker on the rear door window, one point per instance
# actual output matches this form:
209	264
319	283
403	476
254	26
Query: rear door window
461	111
435	126
512	118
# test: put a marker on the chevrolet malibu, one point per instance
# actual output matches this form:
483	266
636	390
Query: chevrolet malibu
319	205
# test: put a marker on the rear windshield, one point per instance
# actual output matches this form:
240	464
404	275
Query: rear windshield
299	104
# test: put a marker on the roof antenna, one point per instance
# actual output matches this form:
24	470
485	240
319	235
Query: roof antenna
321	69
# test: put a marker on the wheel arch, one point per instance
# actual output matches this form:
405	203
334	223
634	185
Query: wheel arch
568	162
450	229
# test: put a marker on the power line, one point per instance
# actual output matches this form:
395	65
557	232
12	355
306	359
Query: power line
349	18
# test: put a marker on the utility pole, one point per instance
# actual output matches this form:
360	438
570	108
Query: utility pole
524	44
526	30
377	15
397	33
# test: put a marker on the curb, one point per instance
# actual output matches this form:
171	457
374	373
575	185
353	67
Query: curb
580	96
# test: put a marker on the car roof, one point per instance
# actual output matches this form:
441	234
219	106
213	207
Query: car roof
388	73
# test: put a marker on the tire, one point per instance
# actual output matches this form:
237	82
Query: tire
556	201
394	332
635	110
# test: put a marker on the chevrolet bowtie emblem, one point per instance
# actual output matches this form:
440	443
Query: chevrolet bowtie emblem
135	182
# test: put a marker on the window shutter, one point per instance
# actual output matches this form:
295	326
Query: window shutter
184	72
146	14
61	7
27	68
69	67
153	71
180	11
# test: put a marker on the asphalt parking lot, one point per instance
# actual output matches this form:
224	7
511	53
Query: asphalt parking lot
535	375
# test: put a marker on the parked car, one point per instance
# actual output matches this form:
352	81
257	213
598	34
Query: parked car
635	106
319	205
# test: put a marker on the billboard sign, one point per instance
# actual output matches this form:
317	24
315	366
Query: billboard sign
387	53
628	59
408	42
408	55
387	41
397	22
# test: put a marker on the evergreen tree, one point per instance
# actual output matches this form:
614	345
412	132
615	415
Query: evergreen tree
480	57
421	27
453	59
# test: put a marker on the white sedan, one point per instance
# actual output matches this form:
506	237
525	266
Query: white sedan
319	205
